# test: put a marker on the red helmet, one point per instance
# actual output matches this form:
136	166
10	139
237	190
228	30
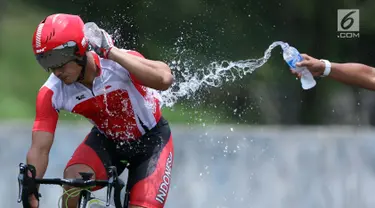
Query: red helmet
58	39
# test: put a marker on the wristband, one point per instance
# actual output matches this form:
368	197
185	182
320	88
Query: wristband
327	68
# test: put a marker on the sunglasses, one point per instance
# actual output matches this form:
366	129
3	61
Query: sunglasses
57	57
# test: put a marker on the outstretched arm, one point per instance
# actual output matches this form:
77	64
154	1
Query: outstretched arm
355	74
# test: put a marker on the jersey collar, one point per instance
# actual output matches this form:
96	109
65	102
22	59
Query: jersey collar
97	63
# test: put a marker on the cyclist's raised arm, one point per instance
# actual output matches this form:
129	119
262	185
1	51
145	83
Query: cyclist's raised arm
150	73
42	132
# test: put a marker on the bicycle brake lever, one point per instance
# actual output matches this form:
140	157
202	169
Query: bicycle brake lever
21	178
112	179
109	188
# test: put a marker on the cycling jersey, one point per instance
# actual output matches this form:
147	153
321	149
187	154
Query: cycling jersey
118	104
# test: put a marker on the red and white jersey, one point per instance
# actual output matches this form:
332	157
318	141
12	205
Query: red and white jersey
117	104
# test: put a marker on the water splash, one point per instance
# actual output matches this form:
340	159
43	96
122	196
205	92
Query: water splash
189	78
189	82
214	74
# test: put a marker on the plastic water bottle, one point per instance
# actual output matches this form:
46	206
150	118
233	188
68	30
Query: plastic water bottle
291	57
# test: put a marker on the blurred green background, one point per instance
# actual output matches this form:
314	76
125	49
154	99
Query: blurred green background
200	32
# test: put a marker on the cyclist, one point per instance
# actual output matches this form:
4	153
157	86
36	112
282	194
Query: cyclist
116	90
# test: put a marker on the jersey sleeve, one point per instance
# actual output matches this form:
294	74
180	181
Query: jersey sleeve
46	115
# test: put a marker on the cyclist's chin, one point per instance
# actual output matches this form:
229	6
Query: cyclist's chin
68	81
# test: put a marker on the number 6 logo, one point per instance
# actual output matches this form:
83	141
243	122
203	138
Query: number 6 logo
348	20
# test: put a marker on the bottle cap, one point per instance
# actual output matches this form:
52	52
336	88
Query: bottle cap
284	45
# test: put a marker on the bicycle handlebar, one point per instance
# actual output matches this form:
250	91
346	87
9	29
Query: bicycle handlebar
25	182
76	182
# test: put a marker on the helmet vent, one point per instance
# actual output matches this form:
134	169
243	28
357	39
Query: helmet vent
50	35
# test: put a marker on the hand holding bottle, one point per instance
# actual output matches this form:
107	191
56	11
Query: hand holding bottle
315	66
292	57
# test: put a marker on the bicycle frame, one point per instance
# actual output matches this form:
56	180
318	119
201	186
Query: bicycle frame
83	199
93	202
86	201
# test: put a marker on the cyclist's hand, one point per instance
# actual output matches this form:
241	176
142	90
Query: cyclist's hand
99	40
34	203
106	45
